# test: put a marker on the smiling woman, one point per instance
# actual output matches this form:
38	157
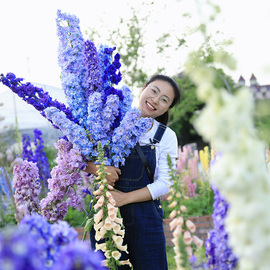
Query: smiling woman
158	96
136	192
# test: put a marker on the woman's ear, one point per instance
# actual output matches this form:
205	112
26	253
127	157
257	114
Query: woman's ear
144	86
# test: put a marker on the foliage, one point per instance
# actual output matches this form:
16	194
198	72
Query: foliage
77	218
262	119
196	206
182	116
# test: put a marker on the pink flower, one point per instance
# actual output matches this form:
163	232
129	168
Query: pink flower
187	238
197	241
191	226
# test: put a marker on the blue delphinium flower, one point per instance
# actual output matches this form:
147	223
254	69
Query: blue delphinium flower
19	251
126	102
34	96
4	188
75	133
71	62
126	135
77	255
218	252
52	237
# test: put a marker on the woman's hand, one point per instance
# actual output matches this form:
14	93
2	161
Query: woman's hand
139	195
113	175
119	197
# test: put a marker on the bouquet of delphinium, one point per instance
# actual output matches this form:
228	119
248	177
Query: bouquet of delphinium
97	112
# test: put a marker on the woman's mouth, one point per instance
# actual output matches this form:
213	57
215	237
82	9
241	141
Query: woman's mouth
150	106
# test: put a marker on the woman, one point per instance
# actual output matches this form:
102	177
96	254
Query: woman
136	193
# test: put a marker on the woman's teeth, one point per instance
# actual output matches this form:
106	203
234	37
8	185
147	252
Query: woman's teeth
150	106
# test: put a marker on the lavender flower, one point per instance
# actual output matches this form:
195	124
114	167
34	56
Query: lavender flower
27	188
65	182
218	251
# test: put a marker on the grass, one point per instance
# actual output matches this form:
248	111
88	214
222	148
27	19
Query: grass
170	258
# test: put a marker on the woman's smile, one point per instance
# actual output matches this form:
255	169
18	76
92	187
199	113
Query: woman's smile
150	106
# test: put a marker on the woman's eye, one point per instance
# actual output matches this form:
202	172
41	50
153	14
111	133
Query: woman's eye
154	91
164	100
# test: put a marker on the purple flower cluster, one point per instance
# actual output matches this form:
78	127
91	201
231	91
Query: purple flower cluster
218	251
64	184
38	245
33	95
125	136
39	156
27	188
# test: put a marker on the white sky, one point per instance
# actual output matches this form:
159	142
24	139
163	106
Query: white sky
28	45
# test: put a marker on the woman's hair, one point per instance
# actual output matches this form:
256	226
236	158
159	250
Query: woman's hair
165	117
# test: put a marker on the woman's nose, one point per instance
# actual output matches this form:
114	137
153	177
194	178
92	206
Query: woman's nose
155	99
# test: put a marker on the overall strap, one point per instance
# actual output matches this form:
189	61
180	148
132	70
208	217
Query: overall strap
158	135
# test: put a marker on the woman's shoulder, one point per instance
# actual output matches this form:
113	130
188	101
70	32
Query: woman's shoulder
168	131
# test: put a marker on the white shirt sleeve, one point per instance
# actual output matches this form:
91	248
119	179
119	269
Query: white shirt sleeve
167	145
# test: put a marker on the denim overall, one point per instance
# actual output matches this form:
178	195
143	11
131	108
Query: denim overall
143	222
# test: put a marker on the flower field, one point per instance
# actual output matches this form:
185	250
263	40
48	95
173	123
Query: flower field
228	179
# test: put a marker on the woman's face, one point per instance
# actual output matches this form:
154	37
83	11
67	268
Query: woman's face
156	99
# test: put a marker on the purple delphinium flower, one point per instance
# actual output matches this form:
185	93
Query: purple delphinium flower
27	152
33	95
218	252
27	188
126	135
77	255
41	159
19	251
65	182
93	77
39	156
71	62
105	56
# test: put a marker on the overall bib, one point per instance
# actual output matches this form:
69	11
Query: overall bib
144	234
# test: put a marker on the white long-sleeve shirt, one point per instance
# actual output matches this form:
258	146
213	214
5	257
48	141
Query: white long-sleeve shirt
167	145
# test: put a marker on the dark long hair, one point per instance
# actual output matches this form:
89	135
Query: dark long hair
165	117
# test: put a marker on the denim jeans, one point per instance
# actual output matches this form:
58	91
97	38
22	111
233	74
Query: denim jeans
144	234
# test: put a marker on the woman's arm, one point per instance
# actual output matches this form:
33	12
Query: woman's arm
113	175
139	195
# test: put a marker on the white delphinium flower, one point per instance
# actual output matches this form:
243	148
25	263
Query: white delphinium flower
240	173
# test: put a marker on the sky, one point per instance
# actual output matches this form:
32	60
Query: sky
28	45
